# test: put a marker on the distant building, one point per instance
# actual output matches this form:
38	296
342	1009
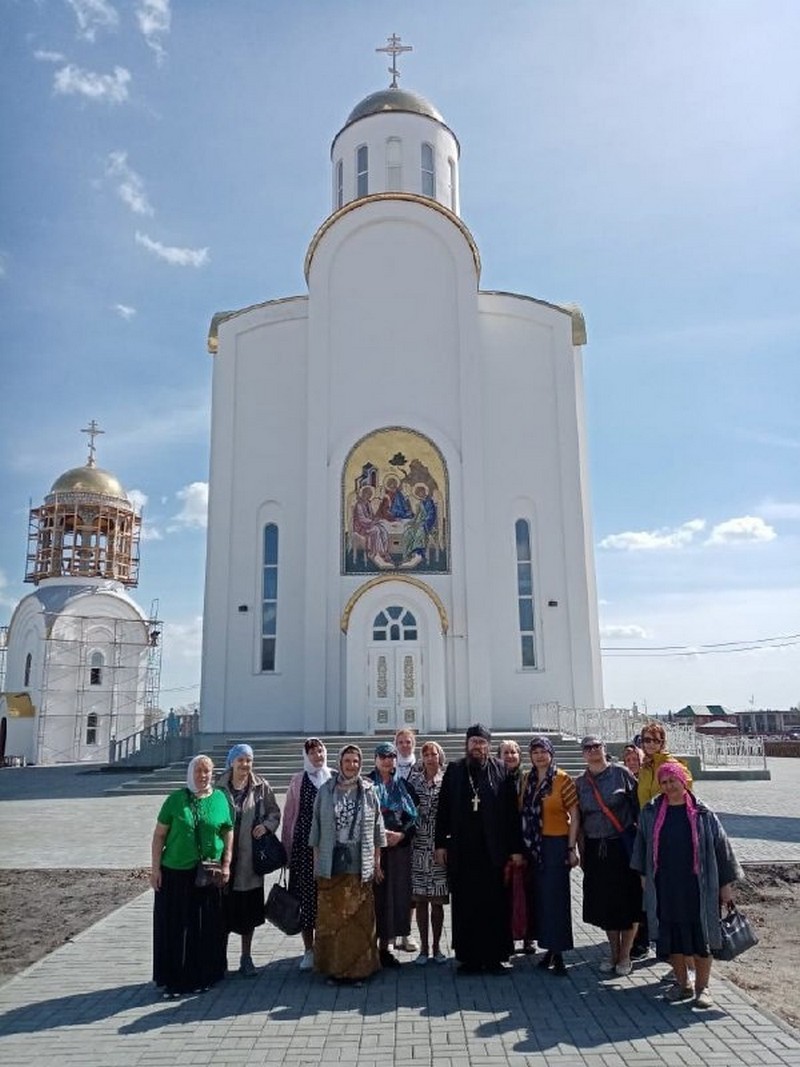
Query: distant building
711	718
82	657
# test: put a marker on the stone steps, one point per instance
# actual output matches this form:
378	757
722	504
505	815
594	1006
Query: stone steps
278	757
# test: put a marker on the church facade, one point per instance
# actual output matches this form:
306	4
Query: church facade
399	524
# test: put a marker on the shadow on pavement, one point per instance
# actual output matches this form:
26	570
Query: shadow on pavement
760	827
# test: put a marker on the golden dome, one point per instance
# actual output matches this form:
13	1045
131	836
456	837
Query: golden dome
89	480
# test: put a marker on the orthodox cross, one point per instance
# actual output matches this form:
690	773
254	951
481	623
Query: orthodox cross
93	430
394	48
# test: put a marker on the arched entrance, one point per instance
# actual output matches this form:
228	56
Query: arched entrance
395	671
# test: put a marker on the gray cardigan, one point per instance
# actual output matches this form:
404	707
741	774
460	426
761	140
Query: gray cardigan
323	827
270	816
717	867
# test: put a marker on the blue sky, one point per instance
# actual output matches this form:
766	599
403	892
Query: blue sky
165	159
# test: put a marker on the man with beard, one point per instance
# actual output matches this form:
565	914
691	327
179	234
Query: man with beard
477	831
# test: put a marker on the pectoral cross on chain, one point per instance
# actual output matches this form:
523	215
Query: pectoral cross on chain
475	802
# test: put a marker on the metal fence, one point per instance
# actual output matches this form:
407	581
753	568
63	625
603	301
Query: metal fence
157	734
623	724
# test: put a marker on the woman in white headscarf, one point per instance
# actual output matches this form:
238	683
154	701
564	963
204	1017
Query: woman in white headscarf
255	812
297	812
194	824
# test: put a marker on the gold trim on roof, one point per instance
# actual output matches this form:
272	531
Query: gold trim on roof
381	579
410	198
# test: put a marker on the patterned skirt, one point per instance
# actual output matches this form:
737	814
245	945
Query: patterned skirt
345	945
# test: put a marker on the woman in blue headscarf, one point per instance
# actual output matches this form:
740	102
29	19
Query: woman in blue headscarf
254	812
550	824
398	803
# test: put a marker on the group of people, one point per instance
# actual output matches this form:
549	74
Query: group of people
371	849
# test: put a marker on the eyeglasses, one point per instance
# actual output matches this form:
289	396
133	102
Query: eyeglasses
387	755
591	748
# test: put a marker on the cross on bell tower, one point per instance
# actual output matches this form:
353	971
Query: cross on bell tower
394	48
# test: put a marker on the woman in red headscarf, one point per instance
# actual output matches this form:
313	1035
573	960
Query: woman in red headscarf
687	868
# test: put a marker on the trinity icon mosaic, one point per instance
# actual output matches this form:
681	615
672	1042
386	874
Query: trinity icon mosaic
395	508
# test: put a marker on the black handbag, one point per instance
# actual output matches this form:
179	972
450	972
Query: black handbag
736	933
268	851
342	857
283	909
207	873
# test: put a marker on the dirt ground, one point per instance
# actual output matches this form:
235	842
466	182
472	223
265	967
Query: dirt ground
40	910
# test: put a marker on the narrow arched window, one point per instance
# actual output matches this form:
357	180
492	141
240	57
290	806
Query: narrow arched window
525	603
96	664
338	195
394	165
28	666
362	170
269	598
451	177
428	171
91	728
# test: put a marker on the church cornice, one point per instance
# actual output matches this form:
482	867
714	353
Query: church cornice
409	198
573	310
223	316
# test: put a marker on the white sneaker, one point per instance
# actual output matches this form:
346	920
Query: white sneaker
407	944
307	962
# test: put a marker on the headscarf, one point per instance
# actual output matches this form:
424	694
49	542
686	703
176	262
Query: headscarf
318	775
392	795
405	763
349	783
534	796
676	770
236	752
190	783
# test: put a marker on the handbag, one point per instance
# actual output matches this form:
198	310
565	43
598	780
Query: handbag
283	909
268	851
208	875
736	933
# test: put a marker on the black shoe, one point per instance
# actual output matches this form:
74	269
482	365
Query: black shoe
387	959
640	952
498	968
545	961
559	967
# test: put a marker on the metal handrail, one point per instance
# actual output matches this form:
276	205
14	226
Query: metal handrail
156	733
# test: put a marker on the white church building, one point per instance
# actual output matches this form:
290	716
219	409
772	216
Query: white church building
399	524
79	650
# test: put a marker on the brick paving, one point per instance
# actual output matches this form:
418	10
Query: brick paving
91	1004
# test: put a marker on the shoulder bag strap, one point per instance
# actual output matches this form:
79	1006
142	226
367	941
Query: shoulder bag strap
609	814
196	822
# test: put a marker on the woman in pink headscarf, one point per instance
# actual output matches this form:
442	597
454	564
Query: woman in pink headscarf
687	868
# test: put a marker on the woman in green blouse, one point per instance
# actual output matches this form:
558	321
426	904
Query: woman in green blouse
189	936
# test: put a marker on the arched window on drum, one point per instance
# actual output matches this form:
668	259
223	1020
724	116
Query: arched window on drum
525	594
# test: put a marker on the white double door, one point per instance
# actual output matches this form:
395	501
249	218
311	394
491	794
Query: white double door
394	688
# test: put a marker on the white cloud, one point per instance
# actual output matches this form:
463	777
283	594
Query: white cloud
779	509
5	600
154	17
124	311
194	512
138	499
3	265
180	257
93	15
184	639
745	530
616	633
45	56
113	88
130	189
664	538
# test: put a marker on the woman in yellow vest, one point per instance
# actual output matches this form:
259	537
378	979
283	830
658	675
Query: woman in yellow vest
654	743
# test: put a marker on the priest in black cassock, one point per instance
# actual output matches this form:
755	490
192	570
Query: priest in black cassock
477	832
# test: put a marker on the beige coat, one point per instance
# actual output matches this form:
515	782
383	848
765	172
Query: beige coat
260	799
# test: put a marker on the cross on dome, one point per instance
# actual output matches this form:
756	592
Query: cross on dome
394	48
93	430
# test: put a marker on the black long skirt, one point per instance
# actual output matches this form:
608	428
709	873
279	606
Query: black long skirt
188	934
244	910
393	894
612	892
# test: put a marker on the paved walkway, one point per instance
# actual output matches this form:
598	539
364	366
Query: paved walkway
90	1003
